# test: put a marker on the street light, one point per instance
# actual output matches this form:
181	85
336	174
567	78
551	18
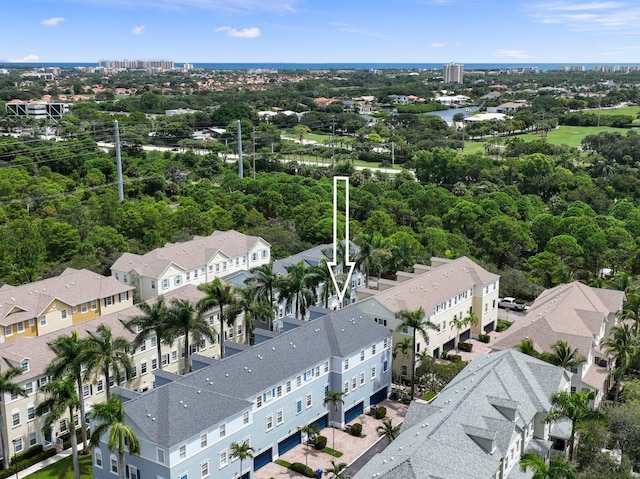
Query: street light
15	455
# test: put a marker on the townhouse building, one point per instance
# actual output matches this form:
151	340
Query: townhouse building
444	290
479	424
22	429
50	305
262	394
580	315
197	261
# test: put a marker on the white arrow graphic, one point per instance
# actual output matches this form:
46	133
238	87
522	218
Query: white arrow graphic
348	265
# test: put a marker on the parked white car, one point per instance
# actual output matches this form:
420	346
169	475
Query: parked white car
511	303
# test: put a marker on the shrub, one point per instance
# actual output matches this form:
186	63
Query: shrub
462	346
484	338
503	325
302	469
28	462
456	358
321	443
356	429
381	412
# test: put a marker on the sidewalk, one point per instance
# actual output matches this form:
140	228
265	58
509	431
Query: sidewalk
42	464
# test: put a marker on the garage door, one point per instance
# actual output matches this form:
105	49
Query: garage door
289	443
378	397
322	422
262	459
354	412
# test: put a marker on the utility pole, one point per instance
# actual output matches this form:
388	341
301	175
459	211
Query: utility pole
393	153
254	152
118	162
240	172
333	141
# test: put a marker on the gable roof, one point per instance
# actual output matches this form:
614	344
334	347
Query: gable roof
188	255
72	287
434	286
573	312
234	381
464	431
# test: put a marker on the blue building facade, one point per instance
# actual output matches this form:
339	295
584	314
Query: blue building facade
261	394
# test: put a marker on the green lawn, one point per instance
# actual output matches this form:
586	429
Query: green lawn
625	110
64	469
572	135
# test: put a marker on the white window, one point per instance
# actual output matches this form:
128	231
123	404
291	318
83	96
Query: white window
346	364
32	322
108	301
245	418
288	386
223	430
165	359
373	350
160	455
154	364
373	372
204	469
153	284
188	275
17	445
86	390
177	280
28	387
254	256
223	459
114	465
24	365
43	320
15	418
165	283
83	307
279	417
362	355
298	381
94	305
182	452
33	438
8	330
20	326
63	313
203	441
361	379
269	423
133	472
298	406
354	383
345	387
100	386
264	253
326	366
143	367
124	297
174	355
74	309
308	401
386	343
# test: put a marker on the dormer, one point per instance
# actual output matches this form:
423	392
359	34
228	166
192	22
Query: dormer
507	407
485	438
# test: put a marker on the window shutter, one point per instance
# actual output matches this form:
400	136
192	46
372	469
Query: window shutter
126	471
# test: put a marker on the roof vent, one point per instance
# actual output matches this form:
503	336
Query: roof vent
153	418
199	391
226	375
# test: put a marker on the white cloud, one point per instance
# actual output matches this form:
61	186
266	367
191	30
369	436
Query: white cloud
592	17
52	22
28	59
138	30
438	45
251	32
521	54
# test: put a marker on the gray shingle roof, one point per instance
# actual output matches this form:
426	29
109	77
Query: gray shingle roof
447	438
246	374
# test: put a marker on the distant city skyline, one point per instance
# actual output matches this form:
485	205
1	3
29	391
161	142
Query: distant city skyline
321	31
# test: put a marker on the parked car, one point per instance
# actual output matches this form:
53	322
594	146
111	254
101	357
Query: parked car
511	303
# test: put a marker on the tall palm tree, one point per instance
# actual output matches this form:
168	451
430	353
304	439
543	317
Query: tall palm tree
7	386
526	347
337	471
69	351
221	295
320	277
416	321
297	287
574	407
241	451
266	281
558	468
333	398
310	430
388	429
369	257
621	344
61	396
185	320
457	323
152	322
404	347
253	308
111	419
107	355
562	355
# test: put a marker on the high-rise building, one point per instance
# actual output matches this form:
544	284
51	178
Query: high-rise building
453	73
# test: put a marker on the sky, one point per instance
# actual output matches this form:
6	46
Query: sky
321	31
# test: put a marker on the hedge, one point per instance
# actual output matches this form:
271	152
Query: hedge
467	347
356	429
321	443
484	338
302	469
28	462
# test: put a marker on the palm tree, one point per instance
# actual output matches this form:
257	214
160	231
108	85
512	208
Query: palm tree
558	468
320	276
107	355
333	398
221	295
242	452
369	257
526	347
416	321
337	471
69	351
61	397
457	323
562	355
110	418
7	386
152	322
574	407
310	430
622	344
388	429
185	320
265	281
253	307
297	287
404	347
